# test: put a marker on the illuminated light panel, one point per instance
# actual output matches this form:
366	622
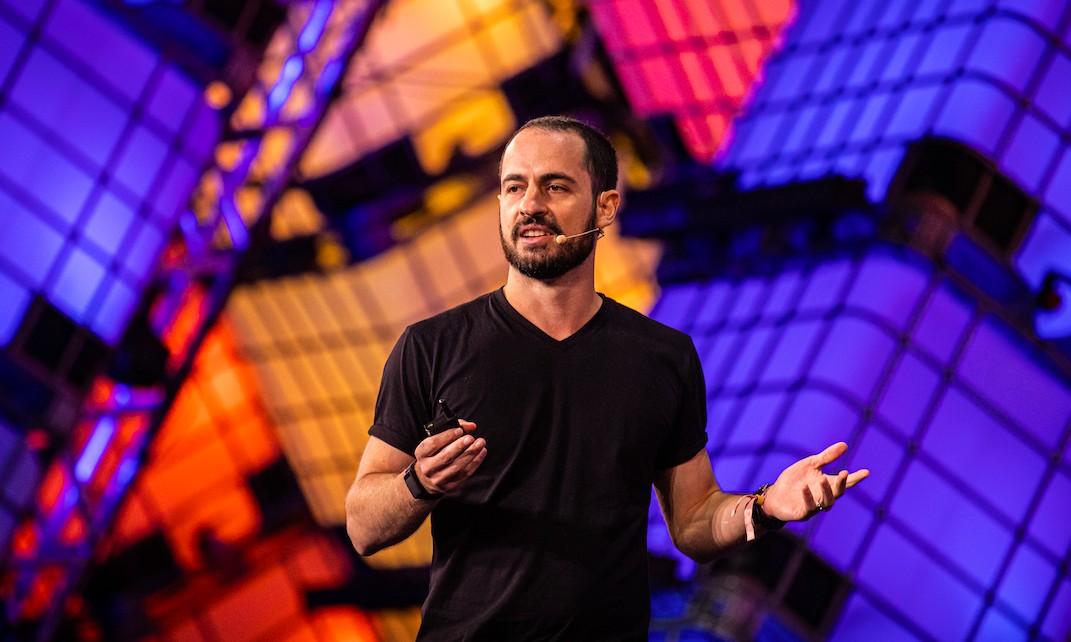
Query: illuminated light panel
694	60
178	317
319	342
103	141
474	127
432	69
195	482
208	251
215	435
21	471
94	449
75	499
936	395
855	84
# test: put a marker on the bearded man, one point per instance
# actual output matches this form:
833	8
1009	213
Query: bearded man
573	407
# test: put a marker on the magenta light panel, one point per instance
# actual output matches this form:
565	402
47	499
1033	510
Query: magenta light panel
693	60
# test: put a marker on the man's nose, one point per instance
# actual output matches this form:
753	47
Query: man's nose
532	203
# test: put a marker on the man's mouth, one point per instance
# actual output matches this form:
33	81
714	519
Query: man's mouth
535	229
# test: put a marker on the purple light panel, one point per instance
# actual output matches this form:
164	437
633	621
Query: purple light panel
961	532
962	422
103	142
855	83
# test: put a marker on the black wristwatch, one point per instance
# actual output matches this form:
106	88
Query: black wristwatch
412	482
759	516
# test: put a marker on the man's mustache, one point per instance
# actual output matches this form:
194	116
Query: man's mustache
536	220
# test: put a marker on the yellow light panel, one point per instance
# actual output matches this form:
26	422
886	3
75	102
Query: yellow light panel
428	66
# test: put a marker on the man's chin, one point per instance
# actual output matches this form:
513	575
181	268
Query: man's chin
541	272
547	261
546	268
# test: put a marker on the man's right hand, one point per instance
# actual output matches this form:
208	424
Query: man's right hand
444	461
380	509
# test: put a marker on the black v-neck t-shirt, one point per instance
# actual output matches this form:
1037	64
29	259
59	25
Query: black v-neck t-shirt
548	539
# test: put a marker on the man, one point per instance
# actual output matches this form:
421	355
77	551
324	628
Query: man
578	405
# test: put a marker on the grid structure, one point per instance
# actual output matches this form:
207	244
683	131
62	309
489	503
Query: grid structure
959	534
103	140
433	70
215	436
234	567
694	60
78	495
967	421
857	82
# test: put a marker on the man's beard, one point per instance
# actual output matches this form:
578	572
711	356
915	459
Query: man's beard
544	263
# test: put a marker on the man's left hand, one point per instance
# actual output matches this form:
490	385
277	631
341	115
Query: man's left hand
803	490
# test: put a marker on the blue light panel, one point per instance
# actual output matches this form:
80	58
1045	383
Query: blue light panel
957	415
103	142
856	82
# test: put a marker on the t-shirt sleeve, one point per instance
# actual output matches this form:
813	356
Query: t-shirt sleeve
402	406
690	435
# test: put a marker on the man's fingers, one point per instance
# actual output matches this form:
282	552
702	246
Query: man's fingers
475	462
857	477
460	467
826	499
839	483
829	455
432	445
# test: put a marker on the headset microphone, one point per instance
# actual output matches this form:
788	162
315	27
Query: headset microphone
561	238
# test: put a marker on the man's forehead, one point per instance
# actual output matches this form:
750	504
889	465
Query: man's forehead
550	150
546	136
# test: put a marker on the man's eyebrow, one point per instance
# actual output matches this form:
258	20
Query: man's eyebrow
556	176
545	178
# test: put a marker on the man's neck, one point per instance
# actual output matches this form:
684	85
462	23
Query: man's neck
558	307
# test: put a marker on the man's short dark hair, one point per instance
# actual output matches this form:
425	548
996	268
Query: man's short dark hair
600	158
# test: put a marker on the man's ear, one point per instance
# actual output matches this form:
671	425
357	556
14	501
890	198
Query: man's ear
606	204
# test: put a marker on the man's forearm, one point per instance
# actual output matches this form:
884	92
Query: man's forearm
730	521
713	528
380	512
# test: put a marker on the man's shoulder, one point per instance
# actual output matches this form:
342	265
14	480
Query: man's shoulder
460	315
630	320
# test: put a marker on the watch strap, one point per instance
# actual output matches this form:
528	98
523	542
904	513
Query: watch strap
759	516
416	489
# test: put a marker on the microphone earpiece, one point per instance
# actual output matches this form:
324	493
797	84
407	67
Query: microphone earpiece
561	238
